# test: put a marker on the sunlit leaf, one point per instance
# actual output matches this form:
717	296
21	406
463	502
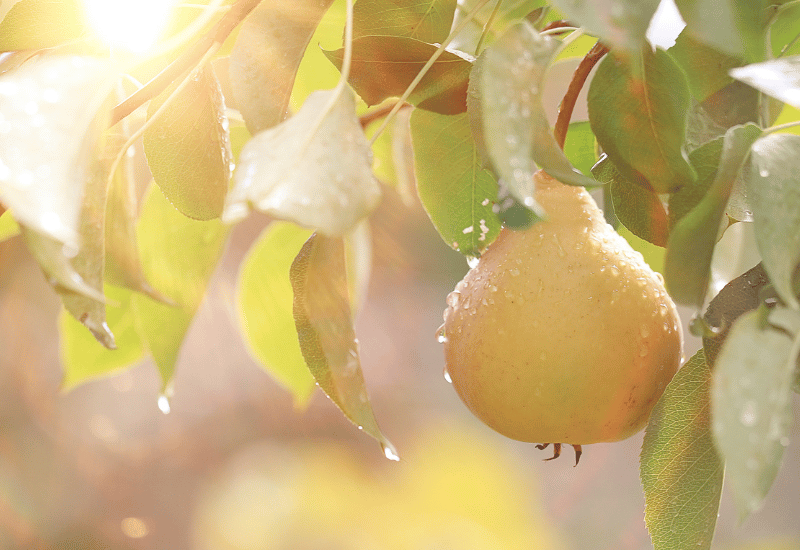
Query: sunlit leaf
680	469
506	14
313	169
622	23
325	329
8	226
580	147
516	131
457	193
83	358
264	301
188	147
267	54
48	126
36	24
638	111
384	66
751	405
772	186
691	242
428	20
779	78
784	32
179	256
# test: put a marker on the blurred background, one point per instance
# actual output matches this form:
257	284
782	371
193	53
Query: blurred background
235	466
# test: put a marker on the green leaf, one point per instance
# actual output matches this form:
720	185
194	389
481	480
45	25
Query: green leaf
83	358
8	226
37	24
637	207
313	169
428	20
691	242
179	256
515	129
638	111
48	127
680	469
264	302
705	160
264	61
706	68
384	66
580	147
784	33
734	27
188	147
751	405
772	187
325	329
457	193
779	78
621	23
509	13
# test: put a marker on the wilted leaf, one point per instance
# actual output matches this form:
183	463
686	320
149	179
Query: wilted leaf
638	111
779	78
188	147
48	128
691	242
751	405
37	24
8	226
680	469
264	61
313	169
457	193
428	21
515	129
384	66
179	256
264	301
325	329
772	185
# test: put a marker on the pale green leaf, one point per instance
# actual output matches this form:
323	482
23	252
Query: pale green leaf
427	20
779	78
8	226
751	405
680	469
37	24
264	302
457	193
580	147
313	169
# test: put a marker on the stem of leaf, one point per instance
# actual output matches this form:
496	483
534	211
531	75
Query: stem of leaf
426	68
781	127
487	26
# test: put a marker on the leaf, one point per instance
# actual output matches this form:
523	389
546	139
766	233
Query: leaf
457	193
264	61
734	27
783	31
8	226
706	68
264	302
779	78
580	147
188	147
325	329
179	256
428	20
384	66
48	127
638	111
37	24
705	160
83	358
751	405
775	199
313	169
691	242
637	207
515	129
621	23
680	469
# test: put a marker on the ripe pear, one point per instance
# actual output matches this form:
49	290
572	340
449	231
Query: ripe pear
562	333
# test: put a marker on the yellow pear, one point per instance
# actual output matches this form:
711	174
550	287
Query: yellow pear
562	333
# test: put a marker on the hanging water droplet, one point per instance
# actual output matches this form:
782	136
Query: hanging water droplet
163	404
389	451
473	261
441	337
447	377
453	298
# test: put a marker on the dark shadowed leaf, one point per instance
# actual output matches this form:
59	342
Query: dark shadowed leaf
36	24
322	314
779	78
751	405
638	111
706	68
264	302
705	160
266	56
455	190
188	147
428	20
384	66
680	469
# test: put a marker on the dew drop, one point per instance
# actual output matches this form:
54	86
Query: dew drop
763	172
643	351
441	337
473	261
453	298
749	414
514	272
645	332
447	376
163	404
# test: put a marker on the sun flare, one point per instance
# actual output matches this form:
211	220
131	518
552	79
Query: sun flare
132	25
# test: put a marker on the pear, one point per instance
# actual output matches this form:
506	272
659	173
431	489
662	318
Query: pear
562	333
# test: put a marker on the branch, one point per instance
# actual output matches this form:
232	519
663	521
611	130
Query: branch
371	116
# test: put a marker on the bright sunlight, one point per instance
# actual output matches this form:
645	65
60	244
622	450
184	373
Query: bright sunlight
133	25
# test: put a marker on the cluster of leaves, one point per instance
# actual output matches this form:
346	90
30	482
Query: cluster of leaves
687	141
